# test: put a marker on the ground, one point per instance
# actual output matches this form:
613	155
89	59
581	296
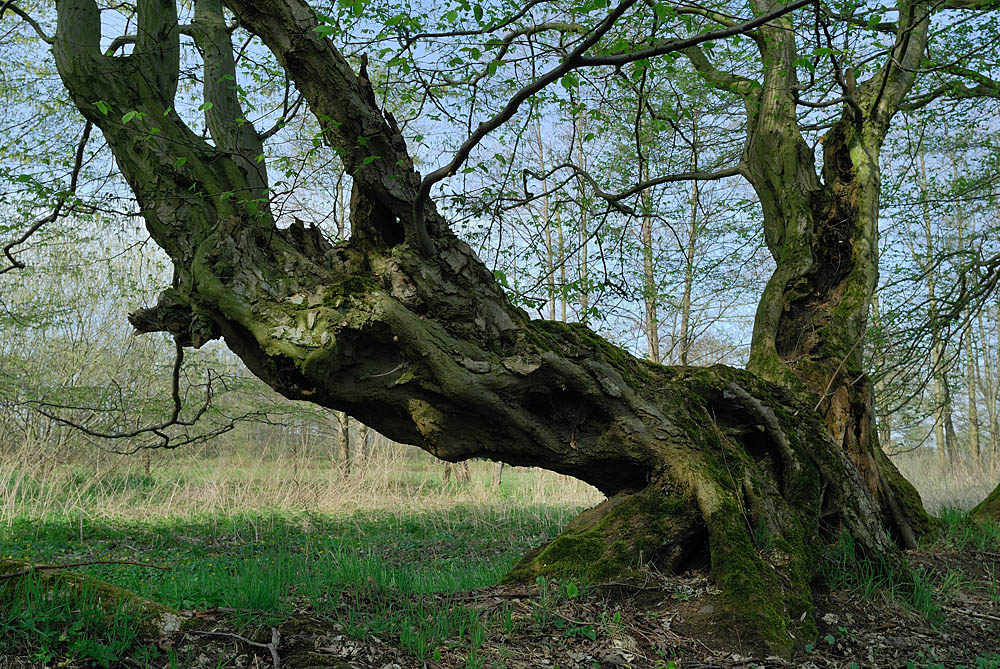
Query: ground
415	582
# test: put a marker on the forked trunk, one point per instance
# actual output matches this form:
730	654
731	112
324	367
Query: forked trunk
404	327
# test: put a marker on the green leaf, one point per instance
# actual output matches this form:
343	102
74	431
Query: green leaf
830	639
572	590
129	116
492	67
570	81
325	31
102	107
180	161
477	10
205	106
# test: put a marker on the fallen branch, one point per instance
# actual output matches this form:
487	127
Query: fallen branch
972	614
273	646
49	567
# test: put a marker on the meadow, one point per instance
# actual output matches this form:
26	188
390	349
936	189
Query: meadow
389	566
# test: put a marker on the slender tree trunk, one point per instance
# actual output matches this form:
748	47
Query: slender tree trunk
689	254
650	288
343	444
363	438
562	264
497	478
550	267
460	471
881	390
584	231
975	451
944	429
968	340
989	388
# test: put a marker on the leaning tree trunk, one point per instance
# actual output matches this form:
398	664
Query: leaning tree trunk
403	327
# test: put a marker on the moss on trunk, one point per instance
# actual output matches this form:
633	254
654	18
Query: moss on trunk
152	619
752	489
989	508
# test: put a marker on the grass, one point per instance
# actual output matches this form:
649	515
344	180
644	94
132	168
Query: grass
846	568
274	534
63	622
42	482
271	531
373	573
943	486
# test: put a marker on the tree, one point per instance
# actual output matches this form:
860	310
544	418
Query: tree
405	328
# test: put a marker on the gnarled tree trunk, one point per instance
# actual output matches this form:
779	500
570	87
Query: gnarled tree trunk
404	327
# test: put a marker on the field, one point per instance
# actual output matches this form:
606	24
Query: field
278	559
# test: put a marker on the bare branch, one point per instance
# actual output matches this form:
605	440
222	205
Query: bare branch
27	19
679	44
575	60
57	210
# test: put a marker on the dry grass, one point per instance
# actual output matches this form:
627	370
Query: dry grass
272	477
241	475
942	485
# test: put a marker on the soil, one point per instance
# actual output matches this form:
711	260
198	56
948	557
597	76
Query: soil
661	623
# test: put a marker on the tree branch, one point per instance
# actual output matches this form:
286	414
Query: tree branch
726	81
56	210
679	44
27	19
576	59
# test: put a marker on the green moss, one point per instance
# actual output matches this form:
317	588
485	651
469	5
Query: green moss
350	285
612	539
576	340
151	618
770	599
989	508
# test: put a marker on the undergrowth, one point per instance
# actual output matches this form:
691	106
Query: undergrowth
374	574
847	568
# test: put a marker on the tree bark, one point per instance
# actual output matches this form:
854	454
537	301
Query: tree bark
405	328
811	321
343	444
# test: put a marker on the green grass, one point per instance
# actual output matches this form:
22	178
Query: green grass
56	622
374	573
846	568
957	531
